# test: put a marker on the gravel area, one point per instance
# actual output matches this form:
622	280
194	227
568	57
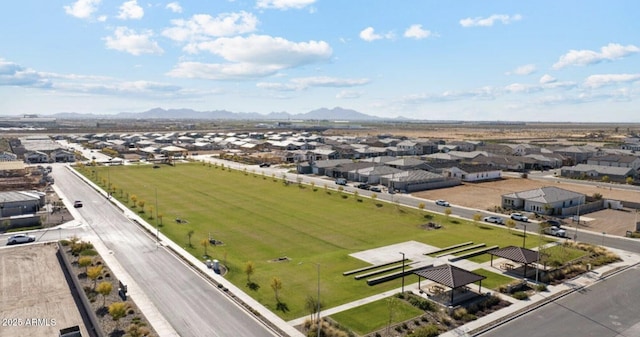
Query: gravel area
100	304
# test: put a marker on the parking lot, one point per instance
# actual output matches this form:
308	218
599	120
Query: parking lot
35	299
487	195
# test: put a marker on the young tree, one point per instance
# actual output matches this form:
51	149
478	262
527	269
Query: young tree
190	234
150	212
141	204
104	289
85	262
510	224
93	273
447	212
421	206
134	200
313	186
356	195
311	303
249	269
276	285
205	244
476	218
118	310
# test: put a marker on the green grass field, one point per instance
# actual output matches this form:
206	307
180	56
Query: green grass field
493	280
259	219
375	315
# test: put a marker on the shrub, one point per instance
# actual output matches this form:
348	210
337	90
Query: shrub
541	287
459	313
520	295
430	330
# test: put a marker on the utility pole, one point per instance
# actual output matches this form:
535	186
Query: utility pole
402	272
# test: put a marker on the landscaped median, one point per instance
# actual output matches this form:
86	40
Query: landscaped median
282	243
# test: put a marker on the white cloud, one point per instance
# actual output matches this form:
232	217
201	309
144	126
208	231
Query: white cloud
489	21
252	57
522	88
368	34
266	50
546	78
304	83
214	71
174	7
12	74
610	52
284	4
203	26
130	10
523	70
128	40
596	81
82	9
349	94
416	32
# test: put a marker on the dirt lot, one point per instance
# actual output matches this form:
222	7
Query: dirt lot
35	299
488	194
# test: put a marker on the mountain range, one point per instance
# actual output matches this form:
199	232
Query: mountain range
336	113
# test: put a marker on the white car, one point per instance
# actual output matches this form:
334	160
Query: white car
20	238
494	219
441	202
519	217
555	231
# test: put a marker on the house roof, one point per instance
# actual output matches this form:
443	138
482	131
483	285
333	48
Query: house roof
516	254
609	170
450	276
406	162
548	194
417	176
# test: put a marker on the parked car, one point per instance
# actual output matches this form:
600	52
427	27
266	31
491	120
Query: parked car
20	238
494	219
363	186
77	204
441	202
555	231
375	189
265	165
341	181
519	217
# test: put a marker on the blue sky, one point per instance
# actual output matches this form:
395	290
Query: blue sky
435	60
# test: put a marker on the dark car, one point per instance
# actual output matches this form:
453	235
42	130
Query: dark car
265	165
363	186
554	223
375	189
77	204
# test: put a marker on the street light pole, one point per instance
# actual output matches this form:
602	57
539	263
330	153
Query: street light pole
318	265
402	272
157	228
603	234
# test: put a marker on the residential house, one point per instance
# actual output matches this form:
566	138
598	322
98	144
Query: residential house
36	157
416	180
616	160
408	163
548	200
8	156
598	172
63	156
473	173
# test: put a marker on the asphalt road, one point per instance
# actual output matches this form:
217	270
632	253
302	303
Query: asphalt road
192	305
606	309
